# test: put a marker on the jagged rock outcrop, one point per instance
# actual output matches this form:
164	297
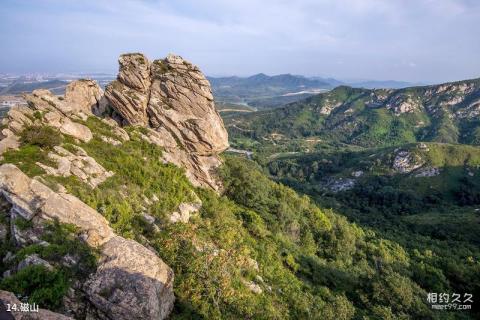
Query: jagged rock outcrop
172	97
83	98
52	112
131	281
128	95
172	100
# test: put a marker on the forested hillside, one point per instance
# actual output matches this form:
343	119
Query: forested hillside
401	163
371	118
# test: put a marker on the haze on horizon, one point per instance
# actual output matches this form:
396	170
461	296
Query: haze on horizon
409	40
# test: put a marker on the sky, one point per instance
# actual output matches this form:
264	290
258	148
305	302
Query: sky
411	40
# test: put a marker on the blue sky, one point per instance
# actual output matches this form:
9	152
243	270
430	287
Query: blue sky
412	40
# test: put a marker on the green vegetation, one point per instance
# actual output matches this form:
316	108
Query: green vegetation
23	224
63	240
434	219
367	118
312	264
139	173
42	136
26	158
41	286
263	251
431	221
262	91
46	286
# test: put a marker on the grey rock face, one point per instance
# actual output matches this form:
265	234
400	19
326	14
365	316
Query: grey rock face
405	162
131	282
57	113
134	71
174	98
181	101
128	102
32	260
128	95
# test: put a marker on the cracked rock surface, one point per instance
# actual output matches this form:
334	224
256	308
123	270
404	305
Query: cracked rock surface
172	97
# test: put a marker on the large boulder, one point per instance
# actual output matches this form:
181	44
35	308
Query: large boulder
172	97
85	96
30	198
131	104
57	113
131	282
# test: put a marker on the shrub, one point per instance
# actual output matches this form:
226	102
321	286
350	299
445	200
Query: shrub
23	224
38	115
43	287
42	136
63	240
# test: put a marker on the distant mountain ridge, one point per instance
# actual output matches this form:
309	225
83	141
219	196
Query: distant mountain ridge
285	81
264	91
381	84
441	113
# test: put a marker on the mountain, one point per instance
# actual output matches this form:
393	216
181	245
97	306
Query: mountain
118	205
282	81
264	91
267	92
402	163
379	84
442	113
424	177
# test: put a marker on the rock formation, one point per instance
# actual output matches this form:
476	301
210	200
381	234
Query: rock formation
174	99
85	96
51	111
406	162
131	282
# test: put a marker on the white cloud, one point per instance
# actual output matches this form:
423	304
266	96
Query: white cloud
247	36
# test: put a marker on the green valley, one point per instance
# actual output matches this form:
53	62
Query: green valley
402	163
